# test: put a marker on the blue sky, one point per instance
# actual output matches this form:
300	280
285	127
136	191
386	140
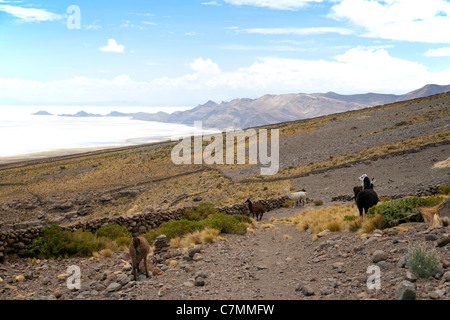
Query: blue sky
187	52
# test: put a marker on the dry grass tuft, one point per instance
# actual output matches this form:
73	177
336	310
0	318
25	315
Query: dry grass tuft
317	220
206	235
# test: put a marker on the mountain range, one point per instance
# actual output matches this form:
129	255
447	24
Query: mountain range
244	112
269	109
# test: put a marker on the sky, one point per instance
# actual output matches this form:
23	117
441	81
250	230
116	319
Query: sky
186	52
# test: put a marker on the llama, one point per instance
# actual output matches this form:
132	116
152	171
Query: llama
297	196
358	189
367	197
139	249
256	209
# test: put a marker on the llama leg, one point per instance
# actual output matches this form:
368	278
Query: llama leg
145	264
134	272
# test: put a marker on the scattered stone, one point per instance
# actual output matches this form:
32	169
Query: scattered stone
326	290
113	287
122	279
338	266
410	276
379	255
162	291
323	233
199	282
307	290
443	241
194	250
405	291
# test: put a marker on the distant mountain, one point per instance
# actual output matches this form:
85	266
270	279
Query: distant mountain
42	113
425	91
268	109
81	114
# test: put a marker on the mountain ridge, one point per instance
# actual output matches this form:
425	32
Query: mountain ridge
268	109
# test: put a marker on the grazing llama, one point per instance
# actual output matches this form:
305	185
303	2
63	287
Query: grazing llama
296	196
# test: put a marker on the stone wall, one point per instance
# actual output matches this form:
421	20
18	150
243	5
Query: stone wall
15	240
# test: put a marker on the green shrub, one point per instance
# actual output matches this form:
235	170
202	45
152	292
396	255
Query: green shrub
53	242
150	235
444	189
403	210
421	260
177	228
202	211
113	231
123	241
225	223
48	244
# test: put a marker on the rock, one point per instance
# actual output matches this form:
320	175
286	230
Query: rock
379	255
338	266
446	276
305	289
194	250
162	291
405	291
46	280
326	290
437	294
115	286
431	237
323	233
443	241
410	276
57	294
199	282
122	279
401	262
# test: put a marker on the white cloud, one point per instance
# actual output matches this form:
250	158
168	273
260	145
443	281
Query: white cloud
440	52
299	31
112	46
358	70
30	14
205	66
273	4
211	3
409	20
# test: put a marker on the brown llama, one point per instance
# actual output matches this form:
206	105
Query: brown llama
139	249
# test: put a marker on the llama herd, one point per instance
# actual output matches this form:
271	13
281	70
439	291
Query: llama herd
365	197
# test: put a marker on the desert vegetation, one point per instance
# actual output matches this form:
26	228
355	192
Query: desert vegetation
345	217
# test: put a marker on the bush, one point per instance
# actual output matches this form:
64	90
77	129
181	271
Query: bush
202	211
177	228
403	210
444	189
53	242
421	260
225	223
50	243
113	231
